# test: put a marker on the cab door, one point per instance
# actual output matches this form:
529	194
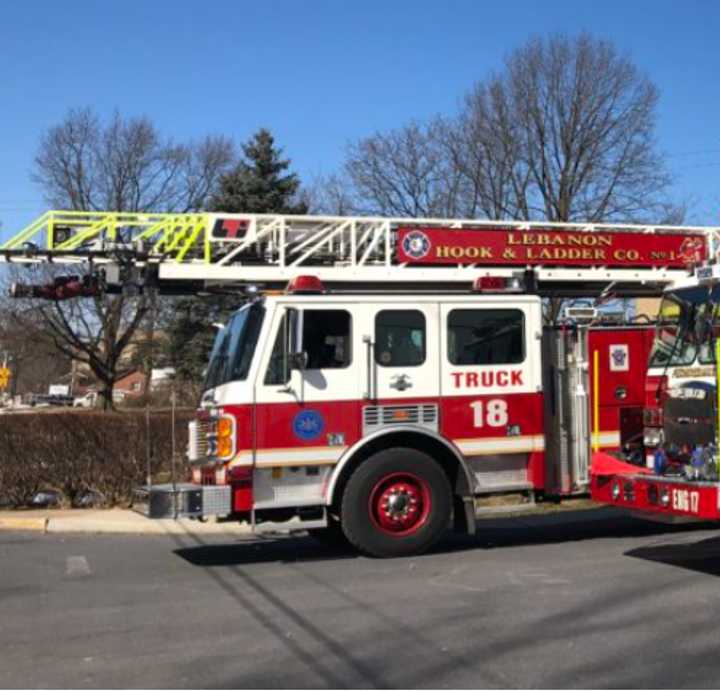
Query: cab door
400	365
491	389
306	419
403	353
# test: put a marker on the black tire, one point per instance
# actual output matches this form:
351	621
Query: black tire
391	473
331	536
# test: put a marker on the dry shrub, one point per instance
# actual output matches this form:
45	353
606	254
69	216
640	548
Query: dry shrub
80	451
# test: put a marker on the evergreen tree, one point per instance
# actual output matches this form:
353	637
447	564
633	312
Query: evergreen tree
191	334
260	182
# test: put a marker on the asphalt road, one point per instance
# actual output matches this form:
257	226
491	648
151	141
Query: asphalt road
589	599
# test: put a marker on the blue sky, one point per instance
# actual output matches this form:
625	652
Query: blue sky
321	73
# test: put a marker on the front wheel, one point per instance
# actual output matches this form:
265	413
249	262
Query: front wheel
398	502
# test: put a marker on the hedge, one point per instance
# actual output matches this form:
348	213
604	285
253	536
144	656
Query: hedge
75	452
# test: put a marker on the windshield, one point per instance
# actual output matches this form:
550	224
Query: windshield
234	346
688	324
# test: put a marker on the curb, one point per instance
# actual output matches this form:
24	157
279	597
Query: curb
151	527
118	523
34	524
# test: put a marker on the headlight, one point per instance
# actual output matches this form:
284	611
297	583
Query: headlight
225	437
225	427
665	496
652	436
616	491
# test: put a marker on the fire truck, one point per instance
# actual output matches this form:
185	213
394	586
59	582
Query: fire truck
384	375
682	480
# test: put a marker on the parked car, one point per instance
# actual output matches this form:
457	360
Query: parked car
37	400
57	399
87	401
89	499
47	497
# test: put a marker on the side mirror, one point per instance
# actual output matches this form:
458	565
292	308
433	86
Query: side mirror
294	358
293	335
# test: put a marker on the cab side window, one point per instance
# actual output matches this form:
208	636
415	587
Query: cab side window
400	338
327	338
486	337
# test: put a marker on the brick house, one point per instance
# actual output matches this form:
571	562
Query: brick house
130	385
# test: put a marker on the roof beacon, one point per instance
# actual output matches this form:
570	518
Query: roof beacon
498	284
305	285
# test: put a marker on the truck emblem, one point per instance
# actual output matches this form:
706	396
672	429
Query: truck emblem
416	244
691	249
619	358
308	424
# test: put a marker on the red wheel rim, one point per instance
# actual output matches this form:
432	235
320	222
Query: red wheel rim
400	504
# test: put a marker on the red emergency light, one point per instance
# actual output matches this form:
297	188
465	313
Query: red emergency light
498	284
305	285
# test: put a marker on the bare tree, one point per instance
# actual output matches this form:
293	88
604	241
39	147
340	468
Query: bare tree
564	132
588	119
484	143
402	172
31	355
124	165
331	195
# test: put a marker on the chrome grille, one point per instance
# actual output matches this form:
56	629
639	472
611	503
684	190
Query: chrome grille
378	416
198	440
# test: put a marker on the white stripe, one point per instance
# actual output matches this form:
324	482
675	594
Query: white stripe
271	457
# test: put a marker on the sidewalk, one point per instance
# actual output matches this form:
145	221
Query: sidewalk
110	521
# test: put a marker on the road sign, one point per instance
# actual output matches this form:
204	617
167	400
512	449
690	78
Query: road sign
4	378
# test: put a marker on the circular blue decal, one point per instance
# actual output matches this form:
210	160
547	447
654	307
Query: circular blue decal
416	244
308	424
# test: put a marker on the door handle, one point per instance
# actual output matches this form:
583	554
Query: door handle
368	365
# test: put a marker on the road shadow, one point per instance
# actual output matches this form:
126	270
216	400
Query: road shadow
497	533
284	549
702	556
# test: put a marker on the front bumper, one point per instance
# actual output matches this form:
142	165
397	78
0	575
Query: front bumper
658	495
183	500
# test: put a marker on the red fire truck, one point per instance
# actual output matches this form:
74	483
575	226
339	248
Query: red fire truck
385	374
681	481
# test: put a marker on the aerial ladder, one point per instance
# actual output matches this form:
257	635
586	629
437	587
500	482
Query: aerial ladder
193	252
